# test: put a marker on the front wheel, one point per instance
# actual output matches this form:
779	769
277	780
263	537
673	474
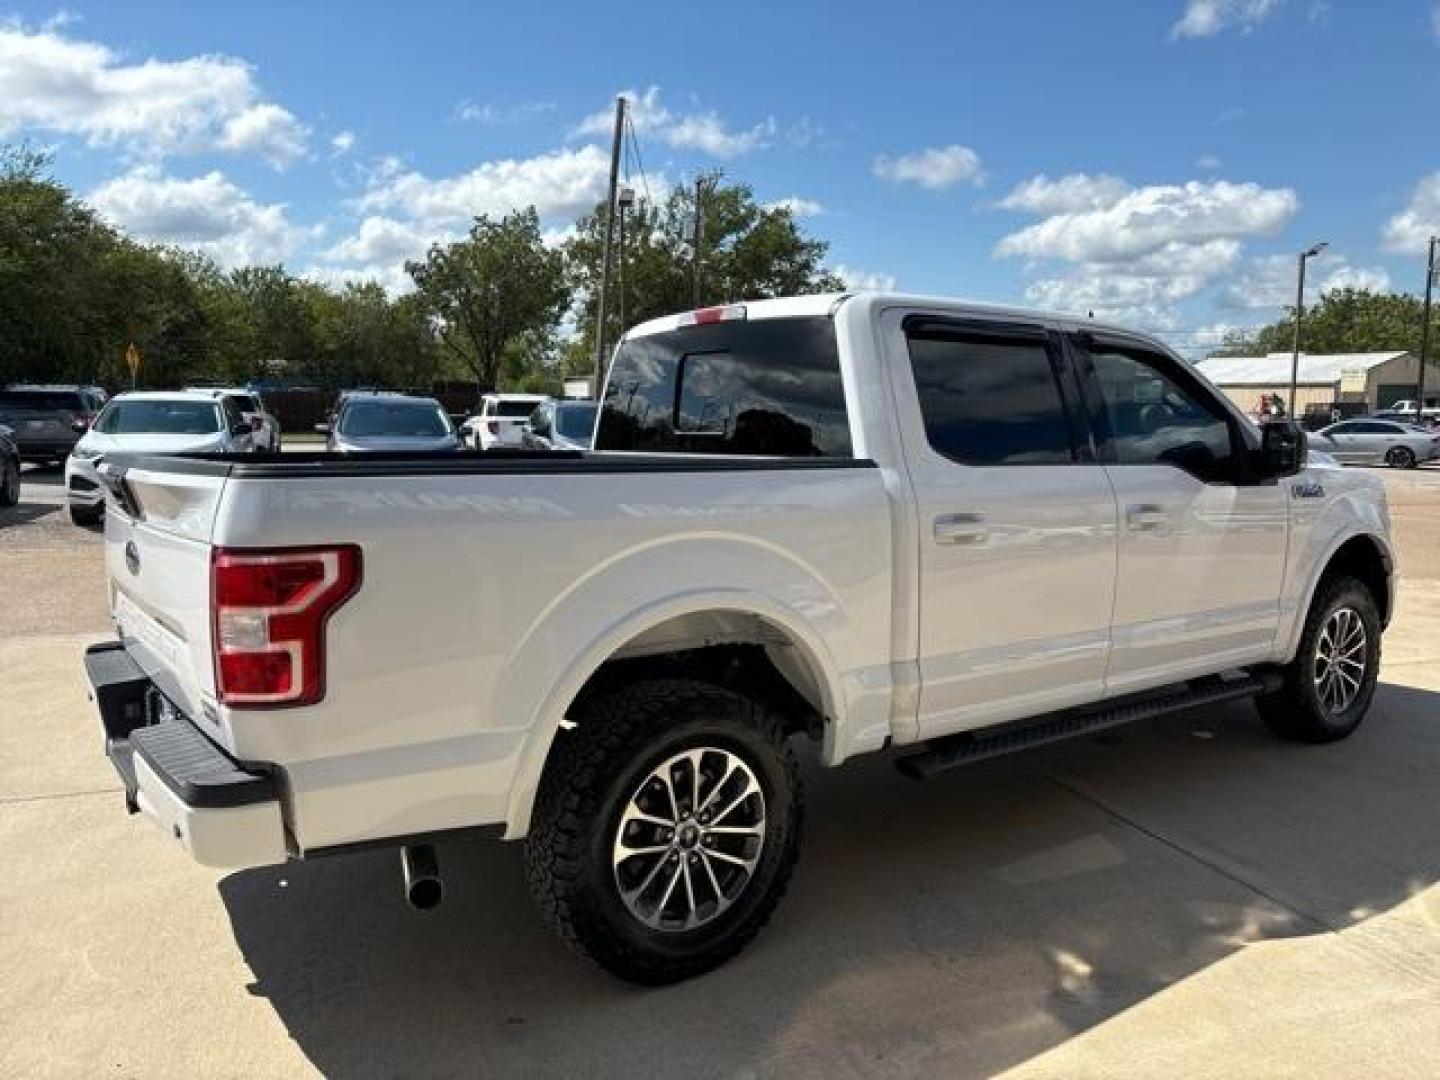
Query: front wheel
666	828
1329	685
1400	457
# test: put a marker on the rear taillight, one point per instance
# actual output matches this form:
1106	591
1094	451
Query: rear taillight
256	424
269	607
492	426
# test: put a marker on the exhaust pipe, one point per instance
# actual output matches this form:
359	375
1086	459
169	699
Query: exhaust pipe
421	870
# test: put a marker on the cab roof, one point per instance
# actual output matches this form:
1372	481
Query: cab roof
791	307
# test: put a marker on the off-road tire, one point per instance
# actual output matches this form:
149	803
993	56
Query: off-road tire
86	515
621	734
1400	457
1296	711
10	483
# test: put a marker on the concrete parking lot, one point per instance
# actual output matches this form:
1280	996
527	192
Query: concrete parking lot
1190	897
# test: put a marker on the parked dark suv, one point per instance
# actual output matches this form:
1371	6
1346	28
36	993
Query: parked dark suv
49	420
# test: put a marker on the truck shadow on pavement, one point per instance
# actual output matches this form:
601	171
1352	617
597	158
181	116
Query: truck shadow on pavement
957	927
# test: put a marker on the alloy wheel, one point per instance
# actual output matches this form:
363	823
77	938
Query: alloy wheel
689	839
1341	655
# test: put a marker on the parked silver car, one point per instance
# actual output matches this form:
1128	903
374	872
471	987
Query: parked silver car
1361	442
390	422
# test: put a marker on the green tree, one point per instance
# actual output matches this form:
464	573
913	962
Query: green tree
1343	321
499	288
748	252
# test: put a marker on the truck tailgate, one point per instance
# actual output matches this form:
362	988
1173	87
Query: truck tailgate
157	557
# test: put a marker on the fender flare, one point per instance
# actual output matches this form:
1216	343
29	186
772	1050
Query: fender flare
1312	584
548	716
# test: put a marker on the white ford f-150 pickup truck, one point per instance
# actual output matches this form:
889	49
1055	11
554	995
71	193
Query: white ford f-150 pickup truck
871	521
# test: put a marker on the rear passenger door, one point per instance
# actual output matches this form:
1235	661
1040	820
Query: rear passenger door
1202	548
1017	522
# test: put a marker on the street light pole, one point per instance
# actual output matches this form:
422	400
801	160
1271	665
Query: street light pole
1425	333
1310	253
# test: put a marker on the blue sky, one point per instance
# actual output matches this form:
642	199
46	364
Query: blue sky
1158	162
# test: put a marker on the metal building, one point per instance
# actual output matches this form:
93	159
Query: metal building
1363	381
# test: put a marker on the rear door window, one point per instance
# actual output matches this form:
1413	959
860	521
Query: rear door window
769	387
989	399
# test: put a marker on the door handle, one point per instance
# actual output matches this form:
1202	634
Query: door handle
960	529
1146	517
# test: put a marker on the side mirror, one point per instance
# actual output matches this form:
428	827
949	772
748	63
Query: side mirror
1282	449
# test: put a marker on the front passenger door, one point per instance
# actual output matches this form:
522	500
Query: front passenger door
1202	549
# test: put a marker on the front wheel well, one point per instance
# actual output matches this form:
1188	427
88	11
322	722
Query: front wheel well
1362	558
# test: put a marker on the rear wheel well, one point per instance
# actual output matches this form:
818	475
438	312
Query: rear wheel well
744	667
1362	558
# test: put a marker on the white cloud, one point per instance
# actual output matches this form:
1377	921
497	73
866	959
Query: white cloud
54	83
703	131
1145	219
1268	282
1078	191
267	131
1208	163
381	240
858	280
472	112
1204	18
562	183
1136	252
342	142
207	213
1408	231
798	205
935	168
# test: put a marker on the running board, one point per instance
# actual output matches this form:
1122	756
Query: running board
971	746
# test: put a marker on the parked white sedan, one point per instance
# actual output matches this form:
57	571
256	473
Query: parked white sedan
500	420
1361	442
168	422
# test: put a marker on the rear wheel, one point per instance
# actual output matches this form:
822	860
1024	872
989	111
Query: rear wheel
1331	682
10	482
666	828
85	515
1400	457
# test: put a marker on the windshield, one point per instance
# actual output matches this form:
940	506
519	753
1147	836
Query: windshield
243	402
47	400
575	421
418	419
159	418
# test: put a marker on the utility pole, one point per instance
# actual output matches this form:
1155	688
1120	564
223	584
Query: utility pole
1425	333
609	241
1303	257
699	233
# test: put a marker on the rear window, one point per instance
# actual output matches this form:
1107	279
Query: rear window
47	400
769	387
159	418
420	419
512	408
243	402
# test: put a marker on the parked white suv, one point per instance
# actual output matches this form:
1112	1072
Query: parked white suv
500	421
150	422
869	521
265	428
